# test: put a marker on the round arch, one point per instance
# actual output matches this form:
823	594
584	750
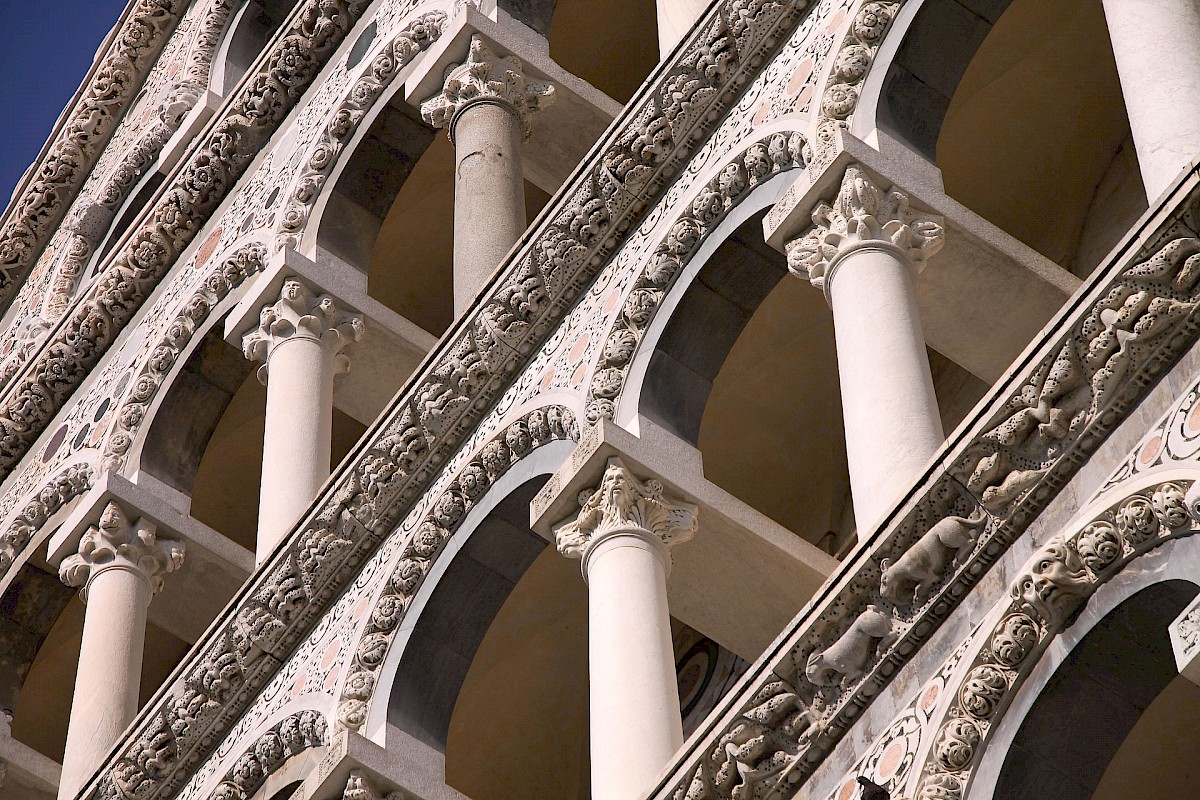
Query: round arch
1133	537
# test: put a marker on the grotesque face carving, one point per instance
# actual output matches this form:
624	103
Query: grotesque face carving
1055	583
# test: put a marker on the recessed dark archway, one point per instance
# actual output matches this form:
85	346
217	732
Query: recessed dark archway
458	614
1094	699
922	78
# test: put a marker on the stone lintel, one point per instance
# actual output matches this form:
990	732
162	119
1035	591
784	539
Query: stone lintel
1185	641
24	772
213	569
194	122
983	297
563	132
736	546
392	345
407	766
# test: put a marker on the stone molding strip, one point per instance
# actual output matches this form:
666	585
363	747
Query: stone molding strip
1056	581
1099	357
50	185
446	515
627	170
215	163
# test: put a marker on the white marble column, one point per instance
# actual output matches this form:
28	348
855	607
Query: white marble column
675	18
486	103
864	252
1156	44
119	568
622	534
300	338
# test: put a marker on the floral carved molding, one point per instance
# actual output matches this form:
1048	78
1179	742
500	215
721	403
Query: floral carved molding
78	341
999	476
516	441
58	175
469	368
1054	583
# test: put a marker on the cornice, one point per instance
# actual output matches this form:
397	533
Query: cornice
45	194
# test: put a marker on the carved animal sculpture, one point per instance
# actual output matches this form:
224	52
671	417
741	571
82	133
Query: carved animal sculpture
848	657
923	564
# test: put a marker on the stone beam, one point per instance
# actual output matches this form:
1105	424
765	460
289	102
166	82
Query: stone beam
390	349
741	579
406	768
565	130
214	569
984	296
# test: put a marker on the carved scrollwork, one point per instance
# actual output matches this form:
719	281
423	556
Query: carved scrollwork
35	213
1060	576
1145	306
535	429
264	756
117	541
90	328
760	161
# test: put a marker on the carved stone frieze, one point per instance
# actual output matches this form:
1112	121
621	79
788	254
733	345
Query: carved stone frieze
623	502
58	491
292	736
89	329
486	77
1123	334
863	214
746	170
1054	583
230	274
840	97
339	128
43	200
116	541
300	313
539	427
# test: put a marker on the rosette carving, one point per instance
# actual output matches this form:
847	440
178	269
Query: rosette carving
484	76
863	213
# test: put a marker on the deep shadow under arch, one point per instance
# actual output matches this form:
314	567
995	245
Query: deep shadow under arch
1094	698
458	614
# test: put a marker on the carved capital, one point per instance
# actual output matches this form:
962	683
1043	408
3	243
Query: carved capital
116	542
623	503
298	312
863	214
487	77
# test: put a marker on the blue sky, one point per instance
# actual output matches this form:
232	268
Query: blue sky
46	47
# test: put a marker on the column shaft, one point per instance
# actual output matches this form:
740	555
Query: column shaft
489	194
635	721
1156	44
888	405
109	672
296	444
